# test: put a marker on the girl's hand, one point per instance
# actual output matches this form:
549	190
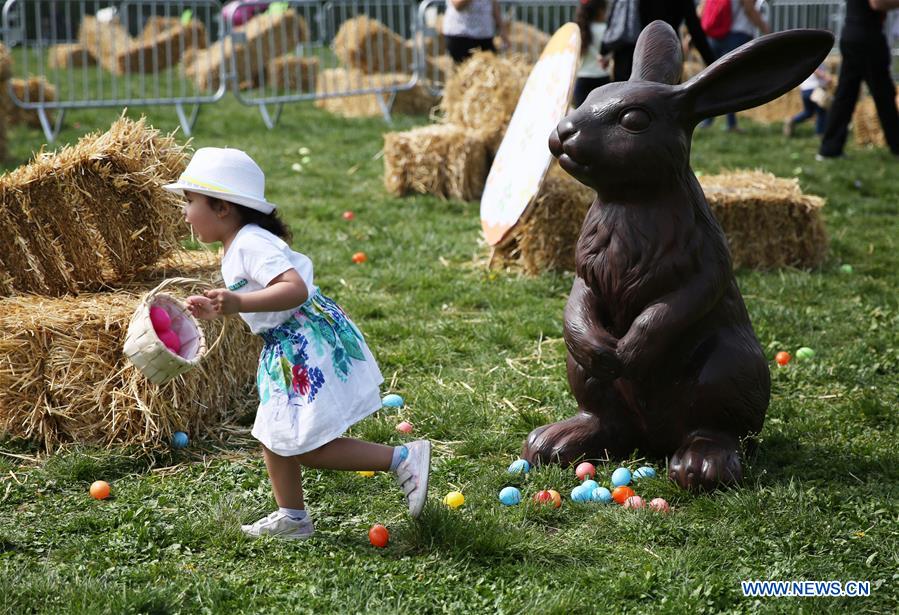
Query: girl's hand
223	301
201	307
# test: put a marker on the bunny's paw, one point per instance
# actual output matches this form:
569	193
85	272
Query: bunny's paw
706	461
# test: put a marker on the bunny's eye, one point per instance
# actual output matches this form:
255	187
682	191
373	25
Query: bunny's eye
634	120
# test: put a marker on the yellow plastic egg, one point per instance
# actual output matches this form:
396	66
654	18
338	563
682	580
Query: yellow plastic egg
365	473
454	499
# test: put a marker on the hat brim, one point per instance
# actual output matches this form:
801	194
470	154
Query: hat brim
232	197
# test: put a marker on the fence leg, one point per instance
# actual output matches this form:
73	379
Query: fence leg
386	104
270	122
187	123
50	131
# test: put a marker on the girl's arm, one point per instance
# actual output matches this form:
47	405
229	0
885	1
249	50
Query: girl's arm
755	17
460	5
284	292
500	24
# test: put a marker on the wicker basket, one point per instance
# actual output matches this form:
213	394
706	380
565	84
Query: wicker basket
147	352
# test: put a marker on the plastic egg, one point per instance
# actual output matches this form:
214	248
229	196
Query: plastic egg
622	493
359	257
510	496
556	498
180	439
846	268
805	353
454	499
160	319
99	490
171	340
585	470
519	466
660	505
602	495
644	472
635	501
621	476
365	473
581	494
404	427
348	215
543	497
392	401
378	535
782	358
589	485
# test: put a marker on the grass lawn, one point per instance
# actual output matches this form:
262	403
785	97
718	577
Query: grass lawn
479	358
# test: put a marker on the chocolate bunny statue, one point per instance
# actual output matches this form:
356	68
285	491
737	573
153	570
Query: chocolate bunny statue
662	357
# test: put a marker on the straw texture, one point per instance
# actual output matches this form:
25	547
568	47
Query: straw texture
69	55
294	73
33	89
416	100
367	45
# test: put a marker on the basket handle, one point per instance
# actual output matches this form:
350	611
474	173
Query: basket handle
171	282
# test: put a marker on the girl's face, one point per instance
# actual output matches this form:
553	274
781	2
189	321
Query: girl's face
208	223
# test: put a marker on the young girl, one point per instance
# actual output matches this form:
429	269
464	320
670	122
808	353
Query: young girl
820	79
316	376
590	17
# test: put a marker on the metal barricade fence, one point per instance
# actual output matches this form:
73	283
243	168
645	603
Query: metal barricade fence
80	53
822	14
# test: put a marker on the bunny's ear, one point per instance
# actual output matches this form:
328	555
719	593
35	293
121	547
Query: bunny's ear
757	72
658	56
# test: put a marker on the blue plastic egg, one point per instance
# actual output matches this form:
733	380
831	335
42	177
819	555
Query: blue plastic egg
392	401
510	496
520	466
179	439
589	485
579	494
601	494
621	476
644	472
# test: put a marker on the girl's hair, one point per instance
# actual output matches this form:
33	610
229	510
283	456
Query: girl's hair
270	222
586	13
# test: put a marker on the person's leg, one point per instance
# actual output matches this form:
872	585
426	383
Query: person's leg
883	91
731	42
624	61
459	47
820	120
286	478
486	44
844	99
808	108
348	454
583	86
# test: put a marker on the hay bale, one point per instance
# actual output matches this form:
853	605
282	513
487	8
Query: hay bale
161	47
442	159
525	40
768	221
63	377
546	236
416	100
69	55
91	214
265	37
776	111
368	45
292	73
157	24
482	94
33	89
104	41
866	124
6	63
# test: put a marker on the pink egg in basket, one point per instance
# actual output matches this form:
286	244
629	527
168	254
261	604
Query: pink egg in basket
160	319
171	340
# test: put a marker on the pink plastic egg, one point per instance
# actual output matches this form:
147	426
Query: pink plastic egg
635	501
404	427
171	340
160	319
585	470
660	505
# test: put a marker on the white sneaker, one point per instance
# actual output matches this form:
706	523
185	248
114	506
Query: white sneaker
282	526
412	475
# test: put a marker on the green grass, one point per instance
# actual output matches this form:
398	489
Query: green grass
479	358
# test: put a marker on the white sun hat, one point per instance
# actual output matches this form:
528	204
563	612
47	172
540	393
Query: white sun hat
225	173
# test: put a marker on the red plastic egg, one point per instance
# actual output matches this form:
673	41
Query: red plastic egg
404	427
378	535
622	493
585	470
348	215
160	319
359	257
543	497
99	490
635	501
782	358
660	505
171	340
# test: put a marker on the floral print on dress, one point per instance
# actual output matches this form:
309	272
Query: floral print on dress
328	324
284	364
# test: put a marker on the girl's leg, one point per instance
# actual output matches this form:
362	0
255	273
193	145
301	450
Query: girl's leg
808	108
286	477
348	454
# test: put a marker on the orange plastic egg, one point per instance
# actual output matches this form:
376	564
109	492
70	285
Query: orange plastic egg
622	493
556	498
99	490
543	497
378	535
359	257
782	358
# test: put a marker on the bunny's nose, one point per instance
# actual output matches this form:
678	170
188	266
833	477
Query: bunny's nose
563	131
